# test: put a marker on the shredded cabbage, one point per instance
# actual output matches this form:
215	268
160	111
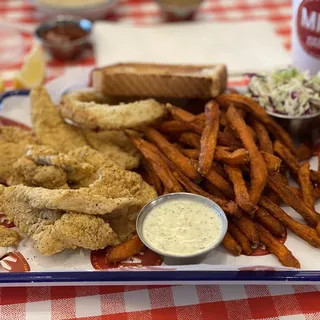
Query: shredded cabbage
288	92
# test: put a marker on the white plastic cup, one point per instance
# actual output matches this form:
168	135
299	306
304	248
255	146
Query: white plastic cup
306	35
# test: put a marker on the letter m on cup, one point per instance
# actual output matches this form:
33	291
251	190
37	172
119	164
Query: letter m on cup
310	22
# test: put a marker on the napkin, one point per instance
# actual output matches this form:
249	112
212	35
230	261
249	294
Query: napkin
242	46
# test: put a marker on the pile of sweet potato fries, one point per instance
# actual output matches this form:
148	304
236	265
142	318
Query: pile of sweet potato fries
235	154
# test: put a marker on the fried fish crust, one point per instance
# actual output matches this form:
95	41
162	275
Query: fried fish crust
50	128
88	110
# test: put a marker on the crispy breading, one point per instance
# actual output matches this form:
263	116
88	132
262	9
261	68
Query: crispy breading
8	237
12	143
114	145
76	171
89	155
28	173
53	231
127	184
88	111
49	127
16	135
115	182
79	200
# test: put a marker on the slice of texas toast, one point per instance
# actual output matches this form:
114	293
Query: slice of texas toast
156	80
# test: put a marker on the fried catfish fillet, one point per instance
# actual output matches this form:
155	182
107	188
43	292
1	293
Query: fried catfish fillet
12	144
53	231
89	110
49	126
28	173
114	145
127	184
77	171
8	237
115	182
71	200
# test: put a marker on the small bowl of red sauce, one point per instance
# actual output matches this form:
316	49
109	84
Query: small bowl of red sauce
65	37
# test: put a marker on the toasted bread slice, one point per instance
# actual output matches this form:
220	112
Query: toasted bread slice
156	80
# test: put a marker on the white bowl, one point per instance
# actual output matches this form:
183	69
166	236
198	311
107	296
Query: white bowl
91	12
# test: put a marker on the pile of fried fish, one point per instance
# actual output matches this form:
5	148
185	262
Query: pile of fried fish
67	187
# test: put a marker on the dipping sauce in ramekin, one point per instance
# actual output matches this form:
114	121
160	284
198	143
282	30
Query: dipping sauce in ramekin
182	225
65	37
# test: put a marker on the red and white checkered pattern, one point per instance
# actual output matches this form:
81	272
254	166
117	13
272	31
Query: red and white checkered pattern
278	12
159	302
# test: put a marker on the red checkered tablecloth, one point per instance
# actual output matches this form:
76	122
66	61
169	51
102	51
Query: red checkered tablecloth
157	302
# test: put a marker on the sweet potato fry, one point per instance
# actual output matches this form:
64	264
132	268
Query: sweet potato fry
304	152
240	238
191	153
263	138
273	163
306	233
235	158
158	164
191	139
230	207
200	120
212	189
315	192
269	193
172	127
287	156
155	180
209	138
248	228
283	254
240	189
305	184
217	180
231	245
228	140
258	168
181	114
225	100
272	224
223	119
276	183
292	161
125	250
232	135
172	153
218	168
187	118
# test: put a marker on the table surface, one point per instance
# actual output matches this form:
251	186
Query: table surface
158	302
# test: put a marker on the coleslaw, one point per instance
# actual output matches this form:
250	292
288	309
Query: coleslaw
287	92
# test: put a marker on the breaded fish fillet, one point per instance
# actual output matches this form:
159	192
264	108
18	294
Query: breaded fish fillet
115	182
53	231
127	184
76	171
8	237
12	144
86	110
114	145
28	173
71	200
49	126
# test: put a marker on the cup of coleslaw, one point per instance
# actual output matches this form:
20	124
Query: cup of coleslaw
290	96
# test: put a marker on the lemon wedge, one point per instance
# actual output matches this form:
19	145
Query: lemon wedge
32	73
1	85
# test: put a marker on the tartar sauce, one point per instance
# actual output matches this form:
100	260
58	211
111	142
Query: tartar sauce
182	227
